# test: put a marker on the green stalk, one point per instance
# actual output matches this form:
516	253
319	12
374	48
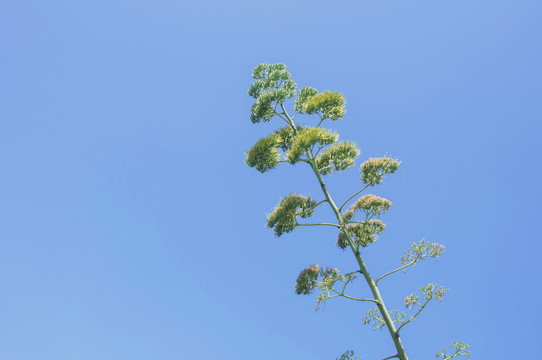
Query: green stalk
363	269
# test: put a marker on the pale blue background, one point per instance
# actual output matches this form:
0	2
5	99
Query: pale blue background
130	227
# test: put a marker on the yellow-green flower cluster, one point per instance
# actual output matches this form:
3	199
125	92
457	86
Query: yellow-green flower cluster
373	170
306	281
287	136
308	137
264	155
363	234
284	218
371	204
338	157
329	104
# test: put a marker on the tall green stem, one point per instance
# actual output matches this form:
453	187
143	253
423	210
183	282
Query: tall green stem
363	268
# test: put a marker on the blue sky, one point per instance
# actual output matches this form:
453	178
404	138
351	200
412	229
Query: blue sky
130	228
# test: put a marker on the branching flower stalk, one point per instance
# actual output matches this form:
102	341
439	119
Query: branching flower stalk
321	150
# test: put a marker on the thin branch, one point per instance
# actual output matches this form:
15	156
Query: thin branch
321	117
345	284
413	316
352	272
352	298
311	208
289	121
453	355
457	352
280	115
398	269
350	198
320	148
392	357
320	224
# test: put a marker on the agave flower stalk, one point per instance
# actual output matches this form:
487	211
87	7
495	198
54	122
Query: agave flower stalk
358	226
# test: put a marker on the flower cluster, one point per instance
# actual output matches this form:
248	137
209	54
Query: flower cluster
373	170
349	355
303	96
338	157
284	218
348	215
271	86
363	234
423	249
308	137
428	293
371	204
306	281
287	135
264	155
375	317
328	103
460	350
329	277
432	291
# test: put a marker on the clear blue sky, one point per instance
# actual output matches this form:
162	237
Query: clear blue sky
130	228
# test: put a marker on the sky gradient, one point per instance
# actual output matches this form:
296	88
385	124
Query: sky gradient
130	227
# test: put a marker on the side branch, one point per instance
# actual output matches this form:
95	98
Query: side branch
313	207
413	316
290	121
351	197
320	224
282	117
398	269
416	253
350	297
392	357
